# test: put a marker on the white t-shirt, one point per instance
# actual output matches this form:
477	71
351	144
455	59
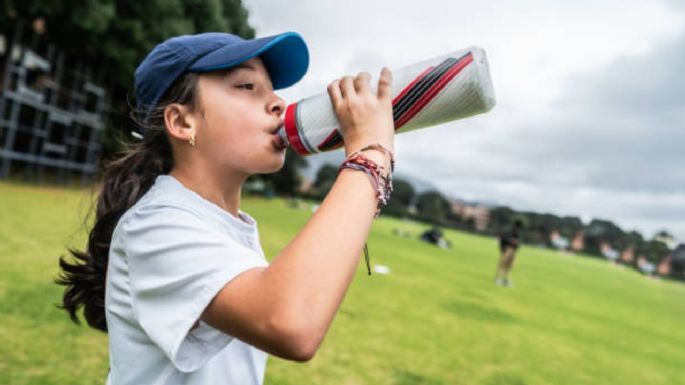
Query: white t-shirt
170	255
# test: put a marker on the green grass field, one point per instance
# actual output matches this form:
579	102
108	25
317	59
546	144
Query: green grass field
436	319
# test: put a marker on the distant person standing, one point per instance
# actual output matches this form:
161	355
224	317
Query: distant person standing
509	241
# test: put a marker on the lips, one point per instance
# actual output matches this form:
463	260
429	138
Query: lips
278	142
277	127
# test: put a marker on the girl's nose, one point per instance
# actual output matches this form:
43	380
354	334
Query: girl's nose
277	106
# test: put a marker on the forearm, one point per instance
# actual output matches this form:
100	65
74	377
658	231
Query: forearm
312	274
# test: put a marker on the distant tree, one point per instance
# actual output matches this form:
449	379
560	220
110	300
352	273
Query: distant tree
663	234
470	224
678	262
454	220
539	227
287	180
236	16
115	35
118	33
402	196
632	239
569	226
324	180
432	207
599	231
500	218
655	250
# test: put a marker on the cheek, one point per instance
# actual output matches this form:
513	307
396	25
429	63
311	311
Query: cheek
233	121
233	133
232	143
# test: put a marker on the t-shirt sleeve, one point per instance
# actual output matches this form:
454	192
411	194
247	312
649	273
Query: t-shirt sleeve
177	264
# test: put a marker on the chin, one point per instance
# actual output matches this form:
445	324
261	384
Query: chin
273	170
273	167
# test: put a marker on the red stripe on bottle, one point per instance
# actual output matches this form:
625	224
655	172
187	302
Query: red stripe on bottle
290	124
433	91
410	85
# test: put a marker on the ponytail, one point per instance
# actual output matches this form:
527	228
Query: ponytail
125	180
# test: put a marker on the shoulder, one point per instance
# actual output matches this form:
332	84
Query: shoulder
164	231
158	212
162	204
162	214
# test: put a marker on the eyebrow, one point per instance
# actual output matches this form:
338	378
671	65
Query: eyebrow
232	70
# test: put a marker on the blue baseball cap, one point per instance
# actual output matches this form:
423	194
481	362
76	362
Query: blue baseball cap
285	57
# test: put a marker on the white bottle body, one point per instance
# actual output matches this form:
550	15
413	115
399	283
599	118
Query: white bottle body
445	88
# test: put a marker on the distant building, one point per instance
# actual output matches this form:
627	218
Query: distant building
666	238
558	241
306	186
254	186
645	266
678	255
628	255
674	263
52	111
608	252
578	242
664	267
478	212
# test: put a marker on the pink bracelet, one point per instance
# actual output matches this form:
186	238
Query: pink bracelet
379	147
381	184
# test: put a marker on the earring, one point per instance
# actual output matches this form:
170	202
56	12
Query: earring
192	140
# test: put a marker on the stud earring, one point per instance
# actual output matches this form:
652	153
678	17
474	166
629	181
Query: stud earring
192	140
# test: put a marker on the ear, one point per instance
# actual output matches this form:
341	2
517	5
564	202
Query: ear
180	122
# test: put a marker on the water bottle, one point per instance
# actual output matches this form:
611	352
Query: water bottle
445	88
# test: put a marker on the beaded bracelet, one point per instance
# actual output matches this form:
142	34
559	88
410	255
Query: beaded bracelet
379	147
381	184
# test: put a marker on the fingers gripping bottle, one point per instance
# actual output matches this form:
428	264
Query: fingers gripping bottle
448	87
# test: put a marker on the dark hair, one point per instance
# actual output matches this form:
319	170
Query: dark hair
124	181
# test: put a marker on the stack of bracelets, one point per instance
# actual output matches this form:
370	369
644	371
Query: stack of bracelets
382	184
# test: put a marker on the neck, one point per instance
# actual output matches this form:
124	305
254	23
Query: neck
222	190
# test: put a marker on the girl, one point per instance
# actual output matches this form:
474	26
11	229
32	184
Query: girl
173	270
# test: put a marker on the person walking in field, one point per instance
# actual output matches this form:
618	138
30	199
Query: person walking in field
509	241
174	271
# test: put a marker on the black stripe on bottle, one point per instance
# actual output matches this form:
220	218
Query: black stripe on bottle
421	86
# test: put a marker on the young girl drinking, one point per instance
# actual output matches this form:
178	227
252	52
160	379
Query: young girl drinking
173	270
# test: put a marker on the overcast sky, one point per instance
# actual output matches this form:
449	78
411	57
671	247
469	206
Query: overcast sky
590	115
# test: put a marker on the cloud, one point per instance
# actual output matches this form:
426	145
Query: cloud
614	146
590	114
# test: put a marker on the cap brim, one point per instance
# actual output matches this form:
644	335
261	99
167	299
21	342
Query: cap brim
285	57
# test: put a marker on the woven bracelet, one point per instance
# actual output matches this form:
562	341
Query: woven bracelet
378	147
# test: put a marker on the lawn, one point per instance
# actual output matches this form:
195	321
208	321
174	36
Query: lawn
437	318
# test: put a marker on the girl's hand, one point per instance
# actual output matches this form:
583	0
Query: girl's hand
365	116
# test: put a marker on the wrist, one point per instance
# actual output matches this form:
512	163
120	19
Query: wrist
373	152
378	157
356	145
379	172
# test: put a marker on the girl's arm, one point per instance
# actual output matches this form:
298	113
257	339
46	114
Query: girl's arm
286	308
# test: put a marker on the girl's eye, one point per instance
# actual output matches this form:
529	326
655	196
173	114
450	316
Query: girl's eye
247	86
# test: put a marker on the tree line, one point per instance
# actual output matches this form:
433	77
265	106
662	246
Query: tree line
434	208
113	36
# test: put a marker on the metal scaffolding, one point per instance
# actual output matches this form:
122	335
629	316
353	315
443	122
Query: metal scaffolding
51	113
